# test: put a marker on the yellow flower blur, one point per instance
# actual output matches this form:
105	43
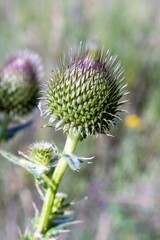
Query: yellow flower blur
132	121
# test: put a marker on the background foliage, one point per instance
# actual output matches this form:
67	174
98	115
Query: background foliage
123	182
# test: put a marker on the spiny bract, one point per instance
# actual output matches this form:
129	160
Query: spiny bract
84	95
19	83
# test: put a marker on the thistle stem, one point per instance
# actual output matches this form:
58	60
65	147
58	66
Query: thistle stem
58	173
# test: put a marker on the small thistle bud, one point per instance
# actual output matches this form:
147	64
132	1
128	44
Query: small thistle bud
84	95
19	83
41	152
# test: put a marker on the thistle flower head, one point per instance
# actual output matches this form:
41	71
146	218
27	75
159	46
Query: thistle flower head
84	95
41	152
19	83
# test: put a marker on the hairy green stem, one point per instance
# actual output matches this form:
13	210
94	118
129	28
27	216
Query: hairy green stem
70	146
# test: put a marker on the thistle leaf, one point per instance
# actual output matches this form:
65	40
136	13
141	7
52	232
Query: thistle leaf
13	130
74	162
61	228
35	169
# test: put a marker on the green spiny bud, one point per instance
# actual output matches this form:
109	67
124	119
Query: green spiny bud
84	95
41	152
19	83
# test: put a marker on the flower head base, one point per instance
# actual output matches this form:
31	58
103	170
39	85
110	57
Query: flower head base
41	152
84	95
19	83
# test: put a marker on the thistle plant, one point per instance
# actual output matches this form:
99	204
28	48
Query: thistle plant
83	97
19	89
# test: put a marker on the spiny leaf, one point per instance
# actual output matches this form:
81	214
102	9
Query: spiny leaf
35	169
74	162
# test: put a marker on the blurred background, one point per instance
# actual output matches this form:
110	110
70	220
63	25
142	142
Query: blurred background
123	183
